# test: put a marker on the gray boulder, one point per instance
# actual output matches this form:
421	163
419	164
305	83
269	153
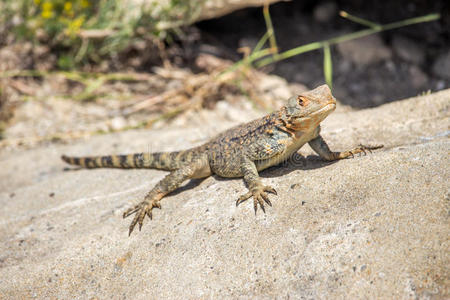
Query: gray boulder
375	226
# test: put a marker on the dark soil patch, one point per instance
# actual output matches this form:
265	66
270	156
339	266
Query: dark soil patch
402	63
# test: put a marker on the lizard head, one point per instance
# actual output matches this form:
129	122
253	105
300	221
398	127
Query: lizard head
307	110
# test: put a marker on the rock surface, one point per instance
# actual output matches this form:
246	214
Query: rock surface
207	9
218	8
365	51
375	226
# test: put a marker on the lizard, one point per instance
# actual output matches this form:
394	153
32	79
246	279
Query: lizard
242	151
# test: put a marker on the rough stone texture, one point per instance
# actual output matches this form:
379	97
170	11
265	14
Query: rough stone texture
218	8
376	226
208	9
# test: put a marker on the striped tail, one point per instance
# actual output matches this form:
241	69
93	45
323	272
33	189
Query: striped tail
159	160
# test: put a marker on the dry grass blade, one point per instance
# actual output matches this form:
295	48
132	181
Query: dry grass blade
149	102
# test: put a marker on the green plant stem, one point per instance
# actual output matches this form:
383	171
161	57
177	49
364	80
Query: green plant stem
246	61
328	65
347	37
261	42
359	20
270	31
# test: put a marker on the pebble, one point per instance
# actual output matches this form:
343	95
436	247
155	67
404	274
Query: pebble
365	51
408	50
325	12
418	78
441	66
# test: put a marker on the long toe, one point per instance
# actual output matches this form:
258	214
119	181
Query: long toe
142	214
149	214
271	190
255	205
133	223
130	211
243	198
266	198
261	204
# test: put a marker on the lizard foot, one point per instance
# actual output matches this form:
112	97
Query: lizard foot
360	149
142	209
259	197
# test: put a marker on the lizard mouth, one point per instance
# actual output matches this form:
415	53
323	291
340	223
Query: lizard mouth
329	107
302	122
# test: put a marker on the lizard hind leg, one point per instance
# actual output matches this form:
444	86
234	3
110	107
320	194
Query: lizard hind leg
141	210
196	169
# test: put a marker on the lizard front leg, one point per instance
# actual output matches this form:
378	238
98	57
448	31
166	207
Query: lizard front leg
255	186
320	147
196	169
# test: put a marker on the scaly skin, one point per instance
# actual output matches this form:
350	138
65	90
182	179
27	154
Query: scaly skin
241	151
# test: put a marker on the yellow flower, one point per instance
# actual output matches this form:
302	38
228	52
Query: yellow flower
37	2
47	12
67	6
47	6
74	26
85	3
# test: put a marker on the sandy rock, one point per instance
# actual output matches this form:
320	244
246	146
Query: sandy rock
117	123
375	226
273	88
200	10
218	8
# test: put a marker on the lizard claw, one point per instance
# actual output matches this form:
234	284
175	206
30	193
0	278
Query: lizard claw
363	149
142	209
271	190
243	198
259	195
359	150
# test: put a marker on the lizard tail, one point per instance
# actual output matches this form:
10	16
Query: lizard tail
159	160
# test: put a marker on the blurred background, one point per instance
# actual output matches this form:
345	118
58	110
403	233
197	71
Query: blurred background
72	69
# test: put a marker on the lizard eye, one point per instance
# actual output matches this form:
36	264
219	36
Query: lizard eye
301	101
